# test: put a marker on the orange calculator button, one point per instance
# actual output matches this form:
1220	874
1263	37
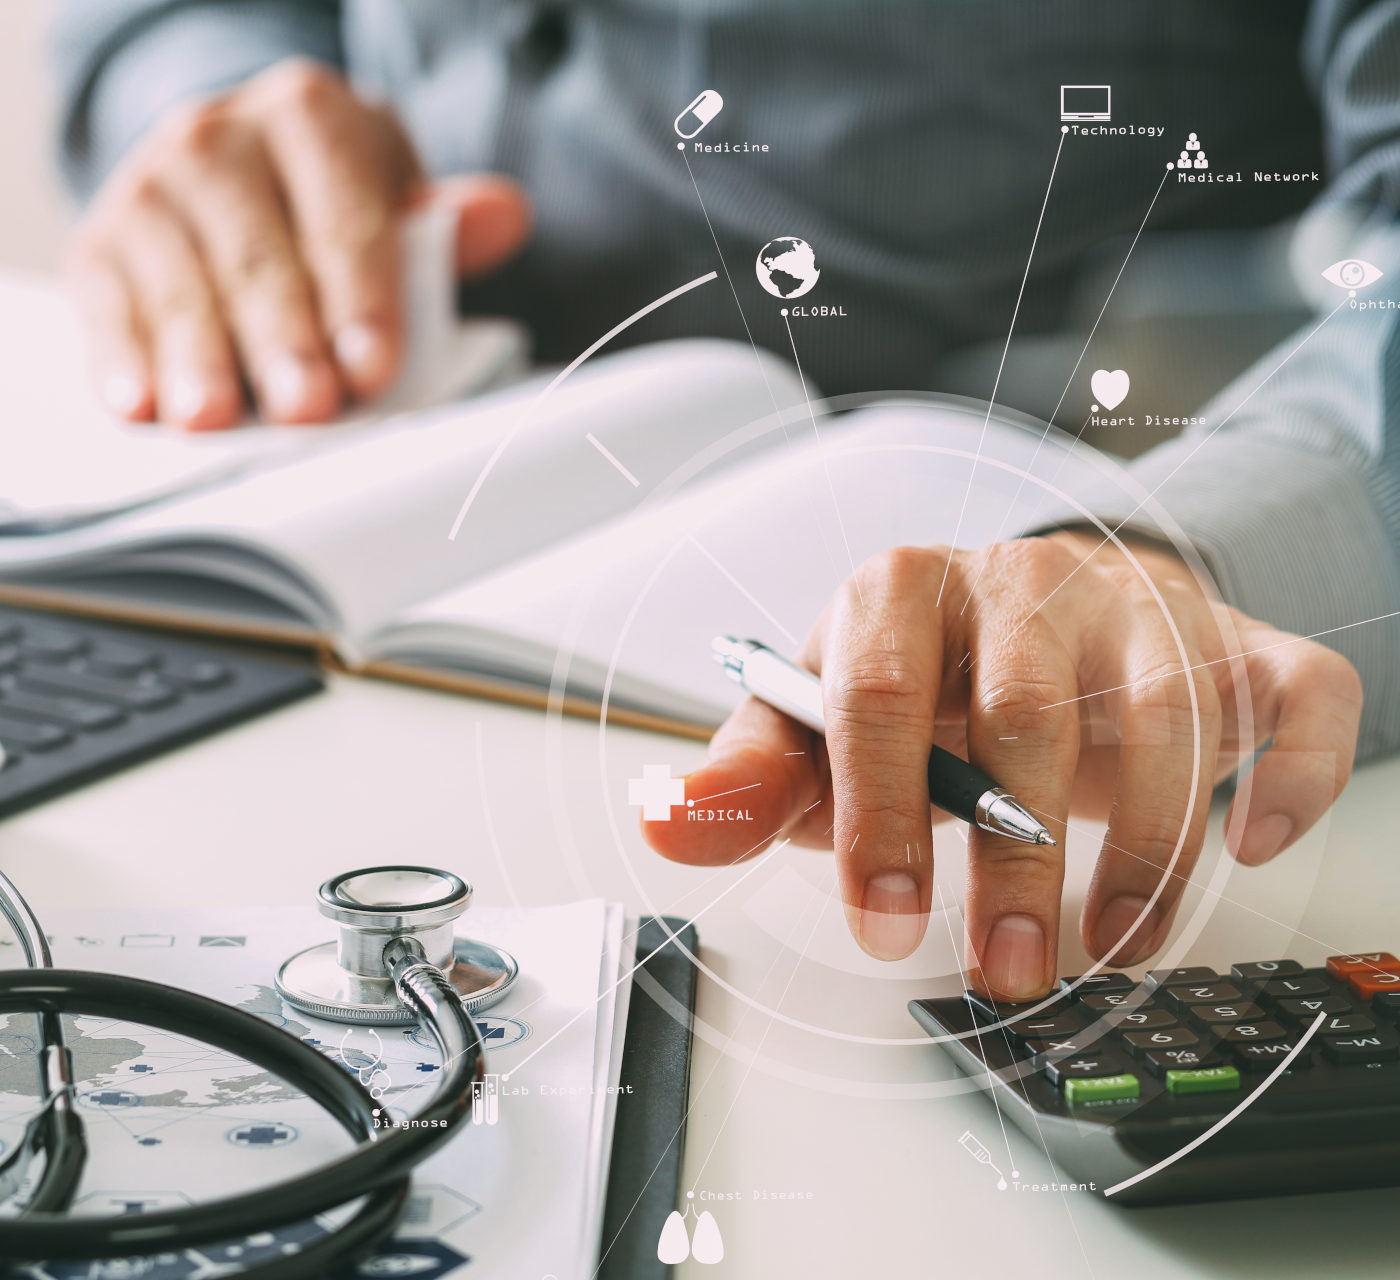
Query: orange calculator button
1342	967
1368	984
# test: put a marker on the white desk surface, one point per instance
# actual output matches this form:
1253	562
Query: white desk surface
369	772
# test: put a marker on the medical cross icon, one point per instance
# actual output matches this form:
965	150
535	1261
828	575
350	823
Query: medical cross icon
656	791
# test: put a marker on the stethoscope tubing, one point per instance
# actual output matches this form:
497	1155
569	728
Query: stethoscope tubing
378	1168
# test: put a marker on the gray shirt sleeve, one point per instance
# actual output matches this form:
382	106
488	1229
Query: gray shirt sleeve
121	63
1290	489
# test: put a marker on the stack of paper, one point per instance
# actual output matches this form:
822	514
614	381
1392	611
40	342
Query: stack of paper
518	1192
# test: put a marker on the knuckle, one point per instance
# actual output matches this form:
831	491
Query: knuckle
204	131
880	688
901	570
1023	705
1334	677
260	262
1159	707
302	83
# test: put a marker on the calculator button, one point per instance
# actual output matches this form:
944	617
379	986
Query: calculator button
1380	1045
1202	993
1058	1046
1307	1010
1143	1019
1196	973
985	1009
1096	983
1362	962
1045	1028
18	732
1085	1066
1164	1038
1102	1002
1102	1088
1296	987
1260	1056
1161	1061
1264	970
1367	985
1203	1080
1386	1004
50	644
1251	1032
199	673
1214	1015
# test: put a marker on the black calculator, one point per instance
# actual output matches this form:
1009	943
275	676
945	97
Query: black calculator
1193	1084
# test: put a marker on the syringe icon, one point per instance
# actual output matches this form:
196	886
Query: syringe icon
978	1151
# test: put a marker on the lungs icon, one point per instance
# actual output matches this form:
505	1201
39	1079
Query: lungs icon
707	1245
674	1244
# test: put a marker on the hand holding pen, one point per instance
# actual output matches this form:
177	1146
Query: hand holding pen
1050	665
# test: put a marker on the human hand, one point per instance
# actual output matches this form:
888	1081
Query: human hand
252	240
1050	664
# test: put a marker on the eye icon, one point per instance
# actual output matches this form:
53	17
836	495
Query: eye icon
1352	273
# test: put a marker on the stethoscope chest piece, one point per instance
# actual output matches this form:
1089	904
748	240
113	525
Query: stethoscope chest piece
347	980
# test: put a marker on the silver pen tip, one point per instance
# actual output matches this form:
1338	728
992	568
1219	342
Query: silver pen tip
1044	837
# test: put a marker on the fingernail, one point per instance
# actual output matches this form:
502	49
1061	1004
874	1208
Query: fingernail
286	384
1264	838
183	399
891	919
124	393
1115	935
362	351
1013	961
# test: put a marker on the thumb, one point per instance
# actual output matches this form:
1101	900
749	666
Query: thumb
493	220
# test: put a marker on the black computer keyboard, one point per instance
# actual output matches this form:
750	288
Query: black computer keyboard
1114	1078
80	699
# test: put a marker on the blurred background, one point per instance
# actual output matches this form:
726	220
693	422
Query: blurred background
34	215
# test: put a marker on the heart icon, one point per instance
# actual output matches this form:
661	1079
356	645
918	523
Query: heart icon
1110	389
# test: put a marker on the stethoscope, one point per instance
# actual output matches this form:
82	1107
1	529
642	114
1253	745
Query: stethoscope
395	961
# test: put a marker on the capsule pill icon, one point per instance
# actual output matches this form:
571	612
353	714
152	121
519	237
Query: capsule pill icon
700	112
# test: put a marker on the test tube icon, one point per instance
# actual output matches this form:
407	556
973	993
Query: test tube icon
700	112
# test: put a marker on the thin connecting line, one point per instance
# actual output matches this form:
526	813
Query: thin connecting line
611	457
763	1039
1199	446
991	1090
1016	311
763	861
742	590
559	378
1228	1116
732	792
826	463
1054	413
1215	662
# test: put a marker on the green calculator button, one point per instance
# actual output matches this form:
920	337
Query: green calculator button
1206	1080
1101	1089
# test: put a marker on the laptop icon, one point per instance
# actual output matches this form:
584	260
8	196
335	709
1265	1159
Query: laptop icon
1085	102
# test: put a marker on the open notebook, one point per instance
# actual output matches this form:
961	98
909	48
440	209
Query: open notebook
611	527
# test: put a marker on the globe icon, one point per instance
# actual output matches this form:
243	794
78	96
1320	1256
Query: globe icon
787	267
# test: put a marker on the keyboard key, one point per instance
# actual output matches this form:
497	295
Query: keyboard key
1249	1032
1307	1010
1102	1002
29	736
1346	1024
1295	988
1143	1019
198	674
1215	1015
1261	1056
134	695
985	1009
1204	1080
114	658
1058	1046
1263	970
1196	973
1097	983
50	644
1045	1028
1380	1045
1386	1004
1367	985
1342	967
1163	1038
1102	1089
1085	1066
1161	1061
1202	993
75	713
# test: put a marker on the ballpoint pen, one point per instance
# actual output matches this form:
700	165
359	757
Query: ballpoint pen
954	785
